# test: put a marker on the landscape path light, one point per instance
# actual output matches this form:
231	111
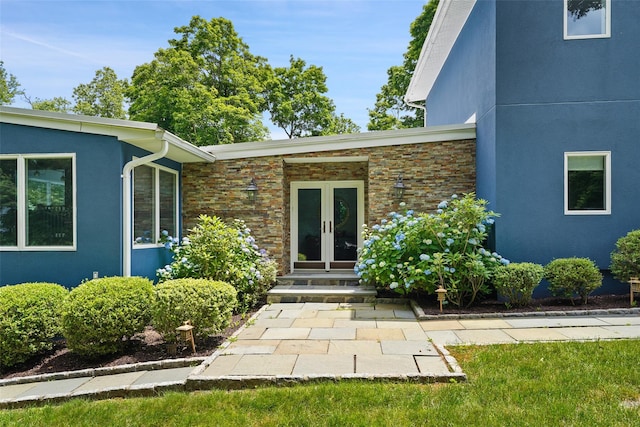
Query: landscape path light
186	334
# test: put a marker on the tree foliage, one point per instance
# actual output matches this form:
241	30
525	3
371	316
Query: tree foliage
296	100
390	110
103	96
9	86
57	104
206	87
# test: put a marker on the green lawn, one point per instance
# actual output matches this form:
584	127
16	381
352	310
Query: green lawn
571	384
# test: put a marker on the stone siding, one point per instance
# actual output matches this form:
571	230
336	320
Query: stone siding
431	171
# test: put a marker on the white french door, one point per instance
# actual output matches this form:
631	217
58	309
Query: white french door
326	220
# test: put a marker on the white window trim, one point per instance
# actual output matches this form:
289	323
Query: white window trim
156	219
607	26
607	166
21	186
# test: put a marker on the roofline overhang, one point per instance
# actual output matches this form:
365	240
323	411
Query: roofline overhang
140	134
446	26
342	142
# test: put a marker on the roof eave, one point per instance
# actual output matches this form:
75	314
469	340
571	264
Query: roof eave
447	23
140	134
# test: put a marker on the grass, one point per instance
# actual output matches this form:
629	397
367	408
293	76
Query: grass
575	384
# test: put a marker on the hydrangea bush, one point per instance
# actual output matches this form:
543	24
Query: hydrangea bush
420	252
217	251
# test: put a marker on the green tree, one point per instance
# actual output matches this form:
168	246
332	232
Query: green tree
103	96
340	125
57	104
296	101
390	111
206	87
9	86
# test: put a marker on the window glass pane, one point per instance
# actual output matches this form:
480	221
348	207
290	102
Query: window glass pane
168	198
586	183
586	17
144	205
8	203
49	202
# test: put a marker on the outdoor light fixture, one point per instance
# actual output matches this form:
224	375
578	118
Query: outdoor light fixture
252	190
398	188
442	292
186	334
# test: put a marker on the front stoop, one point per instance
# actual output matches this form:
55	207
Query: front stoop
320	287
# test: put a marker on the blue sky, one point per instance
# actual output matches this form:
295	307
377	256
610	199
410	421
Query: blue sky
52	46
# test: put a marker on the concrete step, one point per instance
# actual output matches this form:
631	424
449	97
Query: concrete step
319	278
321	293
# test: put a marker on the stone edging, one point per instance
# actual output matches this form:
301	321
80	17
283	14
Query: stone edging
420	314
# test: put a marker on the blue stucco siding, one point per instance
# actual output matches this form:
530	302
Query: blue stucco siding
98	198
536	65
532	141
99	163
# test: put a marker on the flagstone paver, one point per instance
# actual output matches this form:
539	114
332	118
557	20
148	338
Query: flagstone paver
538	334
386	364
314	323
302	347
431	365
109	382
441	325
444	337
332	334
408	347
484	324
286	333
265	364
587	333
621	321
554	322
484	336
324	364
222	365
354	347
380	334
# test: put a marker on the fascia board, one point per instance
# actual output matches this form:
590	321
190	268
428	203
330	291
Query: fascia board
342	142
447	23
140	134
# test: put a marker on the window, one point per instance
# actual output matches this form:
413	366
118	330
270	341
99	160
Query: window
155	204
587	19
587	183
37	202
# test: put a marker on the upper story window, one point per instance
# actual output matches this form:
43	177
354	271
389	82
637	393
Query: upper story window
37	202
587	180
585	19
155	204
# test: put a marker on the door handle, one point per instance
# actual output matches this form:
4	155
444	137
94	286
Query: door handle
324	226
330	229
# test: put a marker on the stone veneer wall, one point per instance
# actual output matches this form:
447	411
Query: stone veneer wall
432	172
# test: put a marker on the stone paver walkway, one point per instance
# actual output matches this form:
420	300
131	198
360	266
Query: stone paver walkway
286	343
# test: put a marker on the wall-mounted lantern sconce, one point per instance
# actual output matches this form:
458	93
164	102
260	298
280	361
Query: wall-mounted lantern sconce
399	188
252	190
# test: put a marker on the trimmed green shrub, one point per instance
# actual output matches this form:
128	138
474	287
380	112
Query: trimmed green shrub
573	276
208	304
516	282
29	320
98	314
625	260
218	251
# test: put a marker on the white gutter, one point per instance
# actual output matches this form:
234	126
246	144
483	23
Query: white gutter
420	107
127	240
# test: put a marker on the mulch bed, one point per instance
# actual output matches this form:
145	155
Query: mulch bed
144	347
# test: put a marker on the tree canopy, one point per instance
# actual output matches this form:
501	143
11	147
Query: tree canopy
390	110
206	87
9	86
103	96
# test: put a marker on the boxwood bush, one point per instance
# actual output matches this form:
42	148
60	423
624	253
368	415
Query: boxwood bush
98	314
573	276
515	282
625	260
208	304
29	320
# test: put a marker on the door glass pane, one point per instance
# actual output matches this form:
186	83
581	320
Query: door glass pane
345	220
49	202
309	224
8	203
